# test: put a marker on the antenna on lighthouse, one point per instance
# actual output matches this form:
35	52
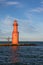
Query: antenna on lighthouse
8	39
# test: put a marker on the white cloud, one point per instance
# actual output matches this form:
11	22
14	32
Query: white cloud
33	30
27	31
6	26
39	9
12	3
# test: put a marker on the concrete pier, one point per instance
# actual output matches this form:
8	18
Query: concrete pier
18	45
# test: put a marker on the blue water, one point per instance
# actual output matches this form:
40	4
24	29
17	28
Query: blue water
22	55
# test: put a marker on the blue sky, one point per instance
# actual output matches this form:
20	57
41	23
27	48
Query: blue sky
28	13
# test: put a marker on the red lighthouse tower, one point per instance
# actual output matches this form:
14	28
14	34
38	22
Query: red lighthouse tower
15	33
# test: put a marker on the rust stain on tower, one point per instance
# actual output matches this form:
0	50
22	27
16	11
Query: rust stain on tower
15	33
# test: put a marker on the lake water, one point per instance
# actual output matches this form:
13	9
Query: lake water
22	55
